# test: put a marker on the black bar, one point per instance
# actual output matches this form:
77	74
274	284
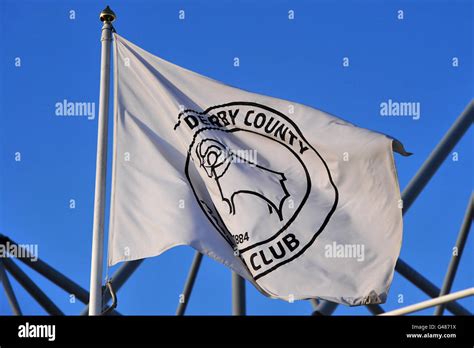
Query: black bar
288	331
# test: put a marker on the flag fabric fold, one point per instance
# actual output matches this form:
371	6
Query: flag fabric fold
297	201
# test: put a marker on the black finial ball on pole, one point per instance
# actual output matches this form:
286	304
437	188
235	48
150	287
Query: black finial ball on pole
107	15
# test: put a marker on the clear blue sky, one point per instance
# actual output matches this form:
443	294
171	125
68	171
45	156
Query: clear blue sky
407	60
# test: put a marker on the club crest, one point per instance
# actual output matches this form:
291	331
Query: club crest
254	175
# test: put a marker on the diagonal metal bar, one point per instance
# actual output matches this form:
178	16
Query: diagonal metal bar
325	308
427	287
416	185
118	279
375	309
419	181
32	288
456	258
314	303
9	290
188	286
438	155
50	273
432	302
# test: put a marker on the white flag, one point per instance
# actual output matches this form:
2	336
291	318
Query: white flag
299	202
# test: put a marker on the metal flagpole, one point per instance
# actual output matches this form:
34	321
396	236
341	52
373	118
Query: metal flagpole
107	16
238	294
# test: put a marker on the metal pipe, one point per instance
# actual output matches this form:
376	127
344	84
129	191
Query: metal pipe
50	273
375	309
433	302
9	290
188	287
437	156
454	263
314	303
238	295
32	288
427	287
107	17
325	308
53	275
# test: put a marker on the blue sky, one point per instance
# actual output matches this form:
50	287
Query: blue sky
405	60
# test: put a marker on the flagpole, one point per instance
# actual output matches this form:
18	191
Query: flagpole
107	16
